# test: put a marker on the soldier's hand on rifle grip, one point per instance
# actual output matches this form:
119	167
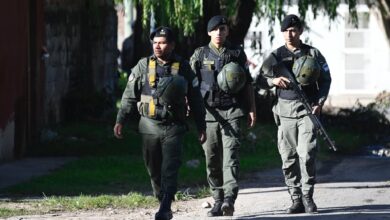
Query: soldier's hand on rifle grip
281	82
317	110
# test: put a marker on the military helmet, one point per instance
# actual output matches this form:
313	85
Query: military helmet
232	78
172	89
306	70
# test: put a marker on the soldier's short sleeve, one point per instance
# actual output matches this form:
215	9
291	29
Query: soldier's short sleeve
195	59
194	96
242	60
132	92
325	79
266	74
322	62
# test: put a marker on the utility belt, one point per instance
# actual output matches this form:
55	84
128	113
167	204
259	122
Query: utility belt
287	94
150	107
311	92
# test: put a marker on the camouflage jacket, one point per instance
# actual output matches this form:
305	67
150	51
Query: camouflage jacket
136	82
215	114
294	108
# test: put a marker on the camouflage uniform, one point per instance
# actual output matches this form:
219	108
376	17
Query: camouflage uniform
223	114
162	137
297	141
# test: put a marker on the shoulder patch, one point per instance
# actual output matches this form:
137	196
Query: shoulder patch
325	67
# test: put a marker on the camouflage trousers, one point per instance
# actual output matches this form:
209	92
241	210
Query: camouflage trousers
297	145
162	156
222	157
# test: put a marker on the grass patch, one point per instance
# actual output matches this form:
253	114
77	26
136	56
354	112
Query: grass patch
8	212
87	139
347	141
111	172
82	202
89	176
85	202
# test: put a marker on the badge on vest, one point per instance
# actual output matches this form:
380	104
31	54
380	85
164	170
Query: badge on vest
209	64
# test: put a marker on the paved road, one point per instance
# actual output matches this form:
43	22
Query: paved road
19	171
349	188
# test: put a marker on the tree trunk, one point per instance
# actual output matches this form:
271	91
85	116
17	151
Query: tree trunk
241	21
200	37
185	46
142	46
239	25
384	7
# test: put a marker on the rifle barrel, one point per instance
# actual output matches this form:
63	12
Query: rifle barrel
317	123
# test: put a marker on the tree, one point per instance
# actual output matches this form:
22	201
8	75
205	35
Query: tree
189	18
384	8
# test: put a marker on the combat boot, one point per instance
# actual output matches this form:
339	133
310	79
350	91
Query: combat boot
165	213
228	206
216	210
308	202
296	207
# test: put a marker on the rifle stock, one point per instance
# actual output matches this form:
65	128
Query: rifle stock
282	69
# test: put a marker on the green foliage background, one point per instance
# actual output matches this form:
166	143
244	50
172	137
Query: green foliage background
184	14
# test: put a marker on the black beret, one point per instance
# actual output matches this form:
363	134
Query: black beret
163	32
290	21
216	21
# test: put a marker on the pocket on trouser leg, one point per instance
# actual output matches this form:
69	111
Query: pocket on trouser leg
276	119
280	140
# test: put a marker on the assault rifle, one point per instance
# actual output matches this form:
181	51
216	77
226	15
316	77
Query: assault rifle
282	69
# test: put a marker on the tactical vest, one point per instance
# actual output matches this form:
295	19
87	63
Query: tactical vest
210	66
151	105
287	57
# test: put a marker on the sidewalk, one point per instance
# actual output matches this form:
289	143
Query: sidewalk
18	171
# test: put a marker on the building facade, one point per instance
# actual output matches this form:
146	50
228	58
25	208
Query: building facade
358	57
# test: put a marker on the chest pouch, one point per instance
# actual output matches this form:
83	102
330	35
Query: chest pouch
207	72
211	92
152	73
151	104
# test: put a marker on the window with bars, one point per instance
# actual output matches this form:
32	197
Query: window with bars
356	42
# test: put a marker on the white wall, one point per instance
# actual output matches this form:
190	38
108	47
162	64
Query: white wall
373	74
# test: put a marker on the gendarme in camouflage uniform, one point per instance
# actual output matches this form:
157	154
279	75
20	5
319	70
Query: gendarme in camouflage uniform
157	90
223	115
297	141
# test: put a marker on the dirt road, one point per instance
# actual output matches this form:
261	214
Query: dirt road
348	188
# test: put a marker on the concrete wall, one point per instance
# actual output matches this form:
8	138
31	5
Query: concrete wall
81	40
